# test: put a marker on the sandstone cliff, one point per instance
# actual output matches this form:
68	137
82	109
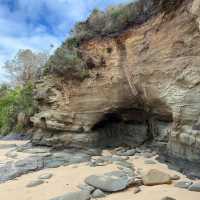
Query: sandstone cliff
145	85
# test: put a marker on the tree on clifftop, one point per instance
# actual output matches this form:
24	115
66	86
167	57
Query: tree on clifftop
25	66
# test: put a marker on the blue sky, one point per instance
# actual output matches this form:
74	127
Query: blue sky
36	24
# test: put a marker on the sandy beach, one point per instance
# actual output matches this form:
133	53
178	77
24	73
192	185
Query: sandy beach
68	178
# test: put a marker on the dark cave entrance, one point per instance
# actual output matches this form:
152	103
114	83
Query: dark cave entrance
132	128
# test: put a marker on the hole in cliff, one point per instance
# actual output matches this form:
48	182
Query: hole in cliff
132	127
109	50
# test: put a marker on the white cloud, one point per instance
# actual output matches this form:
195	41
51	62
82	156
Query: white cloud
36	24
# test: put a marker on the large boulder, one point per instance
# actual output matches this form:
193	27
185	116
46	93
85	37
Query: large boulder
109	182
156	177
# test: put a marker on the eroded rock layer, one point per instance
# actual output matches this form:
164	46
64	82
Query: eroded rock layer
145	84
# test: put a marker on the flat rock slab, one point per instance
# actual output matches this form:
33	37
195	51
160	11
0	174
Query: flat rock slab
82	195
36	162
109	182
194	187
156	177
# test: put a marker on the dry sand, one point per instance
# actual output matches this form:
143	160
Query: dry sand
66	179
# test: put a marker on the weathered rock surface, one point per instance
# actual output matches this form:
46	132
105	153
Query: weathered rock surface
148	83
156	177
109	182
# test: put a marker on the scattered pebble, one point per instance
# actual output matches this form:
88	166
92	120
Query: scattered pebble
45	176
98	194
136	190
35	183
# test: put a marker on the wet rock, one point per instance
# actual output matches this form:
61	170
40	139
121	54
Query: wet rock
45	176
183	184
109	182
98	194
156	177
82	195
194	187
35	183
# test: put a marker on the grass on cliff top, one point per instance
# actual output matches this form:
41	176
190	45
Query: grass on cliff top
70	63
13	102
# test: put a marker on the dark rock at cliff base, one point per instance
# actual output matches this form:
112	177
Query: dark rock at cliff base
82	195
109	182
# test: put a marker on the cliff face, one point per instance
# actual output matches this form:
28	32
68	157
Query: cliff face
144	84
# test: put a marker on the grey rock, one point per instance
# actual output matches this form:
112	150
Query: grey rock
148	155
11	154
109	182
98	194
183	184
86	187
35	183
194	187
45	176
38	161
149	162
82	195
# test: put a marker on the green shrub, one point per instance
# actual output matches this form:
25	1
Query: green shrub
12	103
67	61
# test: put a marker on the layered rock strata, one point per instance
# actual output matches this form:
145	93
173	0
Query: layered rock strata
145	85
